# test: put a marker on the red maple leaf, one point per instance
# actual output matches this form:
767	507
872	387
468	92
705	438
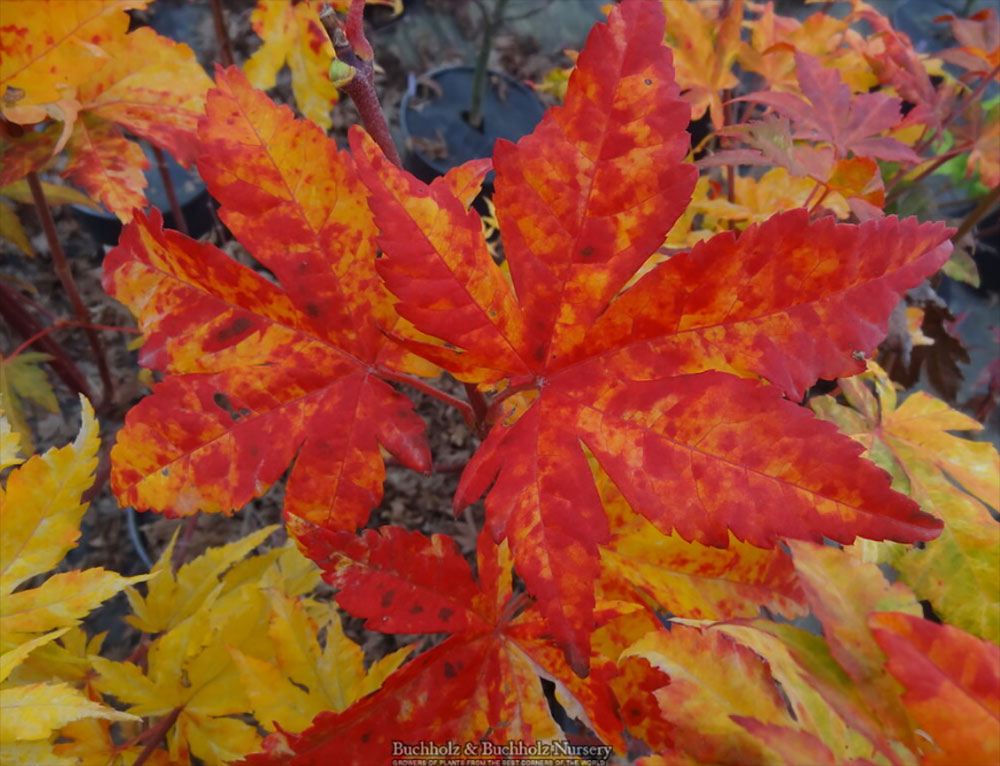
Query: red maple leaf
262	373
662	385
831	114
404	582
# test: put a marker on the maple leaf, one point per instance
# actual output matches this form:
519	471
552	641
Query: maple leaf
691	580
824	699
306	679
659	385
701	696
952	477
52	46
146	84
40	512
829	113
23	378
293	34
978	36
223	608
404	582
952	685
262	373
861	589
705	48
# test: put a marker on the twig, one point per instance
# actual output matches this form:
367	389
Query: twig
361	86
157	734
490	27
168	186
981	209
59	325
28	327
221	34
69	285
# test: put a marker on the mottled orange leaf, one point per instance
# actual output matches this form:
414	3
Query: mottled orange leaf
261	373
842	592
107	165
481	683
952	685
689	579
51	46
655	383
795	746
154	88
703	695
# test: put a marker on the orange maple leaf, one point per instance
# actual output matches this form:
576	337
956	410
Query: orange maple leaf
660	383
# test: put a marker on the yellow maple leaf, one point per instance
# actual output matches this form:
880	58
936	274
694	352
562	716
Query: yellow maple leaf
304	678
294	35
40	513
954	478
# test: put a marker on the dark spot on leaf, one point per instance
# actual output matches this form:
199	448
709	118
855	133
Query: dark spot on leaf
416	609
587	251
313	310
540	352
444	613
387	597
366	736
165	472
450	671
303	267
236	328
223	403
648	81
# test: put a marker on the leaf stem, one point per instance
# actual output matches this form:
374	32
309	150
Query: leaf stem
479	404
60	324
981	209
168	186
27	326
157	734
221	34
69	284
935	164
468	415
361	87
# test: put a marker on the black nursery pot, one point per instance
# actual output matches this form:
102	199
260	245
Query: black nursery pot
509	111
191	196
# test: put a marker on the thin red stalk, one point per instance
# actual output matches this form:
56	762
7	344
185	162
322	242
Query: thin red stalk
60	324
221	35
361	87
981	209
25	325
938	162
69	284
463	407
355	30
157	734
478	401
168	187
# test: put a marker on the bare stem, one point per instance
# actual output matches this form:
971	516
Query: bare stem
157	734
60	324
168	187
361	87
981	209
490	26
69	285
221	35
28	327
